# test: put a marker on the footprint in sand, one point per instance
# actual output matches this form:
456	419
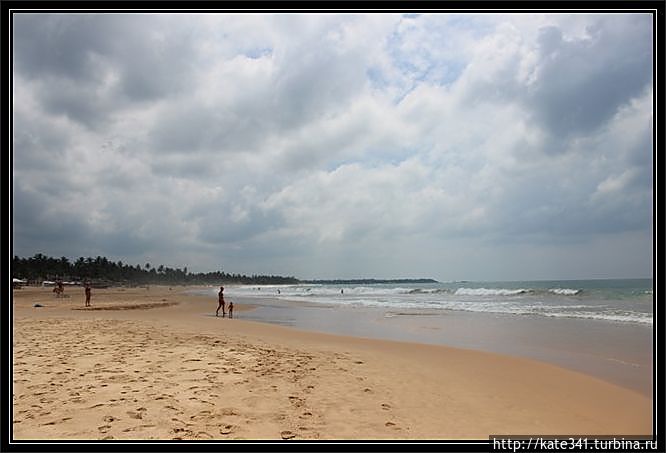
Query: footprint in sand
392	425
136	415
287	435
296	401
227	429
181	432
205	414
386	406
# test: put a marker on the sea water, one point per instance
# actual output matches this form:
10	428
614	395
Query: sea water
618	301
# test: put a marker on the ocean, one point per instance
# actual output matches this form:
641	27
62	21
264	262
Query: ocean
616	301
599	327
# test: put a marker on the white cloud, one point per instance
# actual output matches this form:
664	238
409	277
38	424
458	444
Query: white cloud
290	143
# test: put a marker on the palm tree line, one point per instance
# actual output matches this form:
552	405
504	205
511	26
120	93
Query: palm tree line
39	268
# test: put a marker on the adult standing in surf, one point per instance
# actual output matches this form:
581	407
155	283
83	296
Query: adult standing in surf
220	301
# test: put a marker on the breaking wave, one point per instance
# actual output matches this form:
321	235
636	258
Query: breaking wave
565	291
489	292
555	299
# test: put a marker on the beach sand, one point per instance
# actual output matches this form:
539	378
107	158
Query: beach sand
157	364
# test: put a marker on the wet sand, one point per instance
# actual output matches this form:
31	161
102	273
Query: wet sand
157	364
620	353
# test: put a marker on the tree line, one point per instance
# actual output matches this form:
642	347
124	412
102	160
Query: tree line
40	267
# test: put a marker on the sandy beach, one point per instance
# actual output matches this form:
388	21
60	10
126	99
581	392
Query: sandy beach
155	363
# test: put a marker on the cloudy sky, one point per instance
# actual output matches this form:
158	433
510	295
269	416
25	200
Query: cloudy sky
451	146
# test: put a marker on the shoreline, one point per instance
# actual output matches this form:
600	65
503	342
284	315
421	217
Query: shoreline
615	352
201	377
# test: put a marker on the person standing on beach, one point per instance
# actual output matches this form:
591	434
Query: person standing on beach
59	289
87	291
231	309
220	300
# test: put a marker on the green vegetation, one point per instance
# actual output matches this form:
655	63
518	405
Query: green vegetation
101	270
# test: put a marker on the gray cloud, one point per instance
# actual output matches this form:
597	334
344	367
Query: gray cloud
89	66
39	225
364	145
40	142
581	83
217	227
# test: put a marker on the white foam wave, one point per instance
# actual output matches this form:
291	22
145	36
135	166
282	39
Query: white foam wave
564	291
639	318
545	302
489	292
319	291
429	291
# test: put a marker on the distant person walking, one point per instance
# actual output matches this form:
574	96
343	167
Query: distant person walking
220	301
231	309
59	288
87	291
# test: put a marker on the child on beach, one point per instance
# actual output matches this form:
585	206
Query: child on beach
220	301
231	309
